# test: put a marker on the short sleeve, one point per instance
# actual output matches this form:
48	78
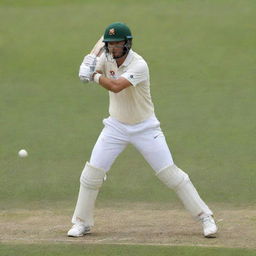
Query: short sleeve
137	73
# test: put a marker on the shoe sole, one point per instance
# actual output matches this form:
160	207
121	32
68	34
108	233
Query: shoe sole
212	235
79	235
86	232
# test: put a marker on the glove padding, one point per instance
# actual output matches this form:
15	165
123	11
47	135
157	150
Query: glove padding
85	73
90	60
87	68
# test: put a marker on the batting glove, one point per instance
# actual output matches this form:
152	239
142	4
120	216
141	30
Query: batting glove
90	60
85	73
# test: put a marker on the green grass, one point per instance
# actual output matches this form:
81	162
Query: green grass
112	250
202	60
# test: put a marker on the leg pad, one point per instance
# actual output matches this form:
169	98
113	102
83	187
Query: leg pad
91	177
90	181
179	181
172	176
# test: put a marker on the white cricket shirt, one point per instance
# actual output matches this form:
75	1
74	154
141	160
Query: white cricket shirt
133	104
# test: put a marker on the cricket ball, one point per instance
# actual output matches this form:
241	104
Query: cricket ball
23	153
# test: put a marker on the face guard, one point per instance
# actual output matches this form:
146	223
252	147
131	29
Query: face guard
118	32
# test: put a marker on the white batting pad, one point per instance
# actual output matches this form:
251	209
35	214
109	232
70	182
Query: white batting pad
90	181
179	181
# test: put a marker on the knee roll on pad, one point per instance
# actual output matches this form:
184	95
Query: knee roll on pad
92	177
172	176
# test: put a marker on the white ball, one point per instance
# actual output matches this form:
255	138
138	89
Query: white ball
23	153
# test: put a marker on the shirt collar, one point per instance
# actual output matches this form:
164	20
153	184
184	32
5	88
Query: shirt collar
128	59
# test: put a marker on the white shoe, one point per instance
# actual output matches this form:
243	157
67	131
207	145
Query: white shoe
209	226
78	230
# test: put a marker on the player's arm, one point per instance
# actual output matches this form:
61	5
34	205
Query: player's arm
113	85
132	77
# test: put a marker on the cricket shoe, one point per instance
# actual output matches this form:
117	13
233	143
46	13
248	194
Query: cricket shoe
209	226
78	230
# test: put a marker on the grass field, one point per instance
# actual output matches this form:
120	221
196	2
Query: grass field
201	55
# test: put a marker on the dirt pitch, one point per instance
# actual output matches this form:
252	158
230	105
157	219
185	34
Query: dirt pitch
131	224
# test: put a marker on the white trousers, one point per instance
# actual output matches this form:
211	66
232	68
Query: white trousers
147	137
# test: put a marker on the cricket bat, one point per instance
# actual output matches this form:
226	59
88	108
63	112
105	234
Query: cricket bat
98	48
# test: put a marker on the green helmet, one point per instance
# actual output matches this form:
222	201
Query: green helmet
116	32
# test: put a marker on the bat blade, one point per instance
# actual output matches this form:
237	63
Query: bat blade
98	48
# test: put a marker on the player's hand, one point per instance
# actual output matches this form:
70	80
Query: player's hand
90	60
87	68
85	73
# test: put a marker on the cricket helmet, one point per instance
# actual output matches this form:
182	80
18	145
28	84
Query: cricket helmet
116	32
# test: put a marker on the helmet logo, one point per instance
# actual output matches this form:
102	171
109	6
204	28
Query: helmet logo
112	32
